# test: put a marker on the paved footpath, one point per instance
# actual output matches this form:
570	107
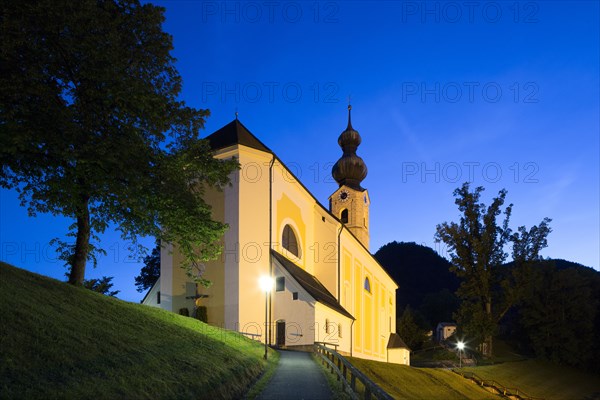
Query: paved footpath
297	377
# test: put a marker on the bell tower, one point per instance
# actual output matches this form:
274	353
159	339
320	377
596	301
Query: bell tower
350	202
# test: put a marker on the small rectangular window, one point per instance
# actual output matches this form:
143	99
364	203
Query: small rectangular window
339	330
295	296
158	297
280	285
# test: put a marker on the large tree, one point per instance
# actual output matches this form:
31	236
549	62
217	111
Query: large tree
476	245
92	128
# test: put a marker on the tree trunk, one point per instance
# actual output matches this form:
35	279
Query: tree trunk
82	244
488	339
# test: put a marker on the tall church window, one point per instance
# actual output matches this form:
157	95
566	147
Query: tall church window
344	216
289	241
367	285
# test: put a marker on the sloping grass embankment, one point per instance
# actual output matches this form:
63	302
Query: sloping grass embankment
542	379
404	382
60	341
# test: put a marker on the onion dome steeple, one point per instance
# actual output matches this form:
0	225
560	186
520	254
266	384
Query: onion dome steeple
350	169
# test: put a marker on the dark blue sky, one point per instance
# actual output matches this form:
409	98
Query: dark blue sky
504	94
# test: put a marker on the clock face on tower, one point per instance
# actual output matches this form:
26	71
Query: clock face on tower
344	195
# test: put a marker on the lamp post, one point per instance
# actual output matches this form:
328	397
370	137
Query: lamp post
266	284
460	346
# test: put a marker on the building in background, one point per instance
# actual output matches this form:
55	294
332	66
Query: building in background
444	330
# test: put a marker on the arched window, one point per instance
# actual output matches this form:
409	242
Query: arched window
344	216
367	285
289	241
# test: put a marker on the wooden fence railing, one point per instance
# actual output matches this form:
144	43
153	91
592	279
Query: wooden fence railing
347	374
503	390
253	336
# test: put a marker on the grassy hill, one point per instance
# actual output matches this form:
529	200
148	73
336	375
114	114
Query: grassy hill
60	341
428	286
405	382
543	379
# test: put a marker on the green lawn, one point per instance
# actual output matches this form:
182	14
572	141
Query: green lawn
542	379
405	382
335	385
433	353
503	352
59	341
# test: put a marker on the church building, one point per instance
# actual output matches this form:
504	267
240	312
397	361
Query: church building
327	287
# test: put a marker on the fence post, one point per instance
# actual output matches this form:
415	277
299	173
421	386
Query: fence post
332	363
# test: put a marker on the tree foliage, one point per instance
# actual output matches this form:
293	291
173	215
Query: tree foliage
476	246
558	316
409	331
150	271
101	285
92	128
439	307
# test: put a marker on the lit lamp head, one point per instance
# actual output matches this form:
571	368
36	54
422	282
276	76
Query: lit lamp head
266	283
460	345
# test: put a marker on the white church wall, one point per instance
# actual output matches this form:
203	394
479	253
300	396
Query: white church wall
213	297
166	276
152	297
299	314
293	205
252	242
230	255
399	356
333	328
373	309
324	249
175	285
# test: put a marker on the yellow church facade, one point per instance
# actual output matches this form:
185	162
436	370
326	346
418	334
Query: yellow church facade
327	287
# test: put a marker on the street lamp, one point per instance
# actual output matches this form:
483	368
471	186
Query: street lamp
460	346
266	284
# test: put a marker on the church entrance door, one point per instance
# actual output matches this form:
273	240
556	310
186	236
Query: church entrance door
280	333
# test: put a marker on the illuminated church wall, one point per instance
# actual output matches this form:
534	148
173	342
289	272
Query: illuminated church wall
307	235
